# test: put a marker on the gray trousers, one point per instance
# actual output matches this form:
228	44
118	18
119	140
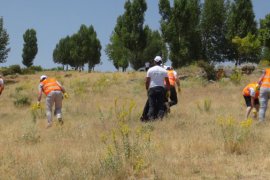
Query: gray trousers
54	97
264	96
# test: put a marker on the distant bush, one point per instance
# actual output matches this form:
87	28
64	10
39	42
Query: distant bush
13	69
236	77
209	69
36	68
264	62
28	71
59	68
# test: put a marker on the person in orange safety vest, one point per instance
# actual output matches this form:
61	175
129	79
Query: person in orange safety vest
174	80
251	96
1	84
54	95
264	83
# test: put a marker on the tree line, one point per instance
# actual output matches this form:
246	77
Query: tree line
212	31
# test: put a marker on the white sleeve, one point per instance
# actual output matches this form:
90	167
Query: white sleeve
148	73
1	82
252	92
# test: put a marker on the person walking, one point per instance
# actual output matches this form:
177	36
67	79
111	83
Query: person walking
173	79
251	96
1	84
54	95
264	83
156	90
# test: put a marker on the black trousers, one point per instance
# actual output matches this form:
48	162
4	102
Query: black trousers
173	96
154	106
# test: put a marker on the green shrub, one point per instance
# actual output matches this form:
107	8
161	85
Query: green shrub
15	69
22	100
236	77
36	68
28	71
209	70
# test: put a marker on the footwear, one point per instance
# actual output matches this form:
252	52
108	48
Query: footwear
49	125
167	105
60	120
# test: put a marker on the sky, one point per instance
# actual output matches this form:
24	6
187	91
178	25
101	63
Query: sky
55	19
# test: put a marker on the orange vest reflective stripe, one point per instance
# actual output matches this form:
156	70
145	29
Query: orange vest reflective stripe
266	79
171	77
49	85
246	91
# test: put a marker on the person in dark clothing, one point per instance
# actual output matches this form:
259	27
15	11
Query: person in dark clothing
156	89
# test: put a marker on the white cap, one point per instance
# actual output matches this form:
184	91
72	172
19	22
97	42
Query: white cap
158	59
43	77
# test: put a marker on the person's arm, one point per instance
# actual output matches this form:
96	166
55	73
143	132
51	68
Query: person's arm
1	88
261	78
167	83
39	93
62	87
147	83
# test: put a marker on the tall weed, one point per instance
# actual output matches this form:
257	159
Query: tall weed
235	134
126	149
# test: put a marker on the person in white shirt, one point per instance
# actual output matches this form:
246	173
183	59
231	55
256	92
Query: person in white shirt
1	84
155	87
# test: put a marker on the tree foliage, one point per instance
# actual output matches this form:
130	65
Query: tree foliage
248	47
264	31
30	47
4	42
180	29
241	21
213	30
80	48
133	43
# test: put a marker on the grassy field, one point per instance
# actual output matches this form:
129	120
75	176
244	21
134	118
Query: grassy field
204	137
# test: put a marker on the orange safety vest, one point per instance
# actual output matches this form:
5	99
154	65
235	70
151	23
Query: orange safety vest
171	77
246	91
266	79
49	85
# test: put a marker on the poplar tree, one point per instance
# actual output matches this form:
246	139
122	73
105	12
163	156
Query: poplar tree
241	21
213	30
4	42
180	29
30	47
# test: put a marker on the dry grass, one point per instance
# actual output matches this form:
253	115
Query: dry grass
188	144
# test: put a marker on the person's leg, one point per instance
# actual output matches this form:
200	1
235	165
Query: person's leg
173	96
263	103
160	102
152	103
58	105
49	105
248	104
144	116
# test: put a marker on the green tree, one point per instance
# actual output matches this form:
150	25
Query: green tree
61	53
241	21
154	46
117	52
81	48
248	47
264	31
30	47
131	31
180	29
4	41
213	30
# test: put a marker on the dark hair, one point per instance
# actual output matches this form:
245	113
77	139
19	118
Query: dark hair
158	63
